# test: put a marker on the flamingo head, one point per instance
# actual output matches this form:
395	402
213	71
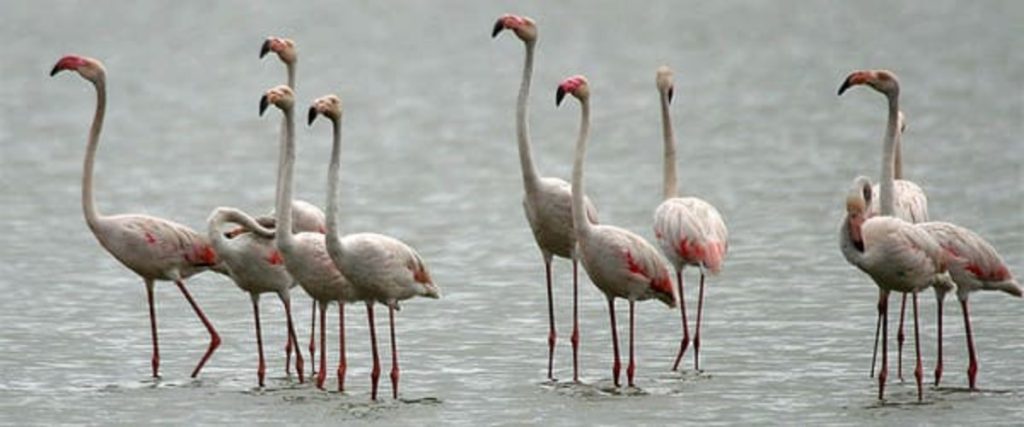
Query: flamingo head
89	68
329	106
284	48
281	96
883	81
524	27
664	80
576	86
858	200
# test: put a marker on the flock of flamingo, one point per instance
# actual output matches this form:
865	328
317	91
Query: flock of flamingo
886	233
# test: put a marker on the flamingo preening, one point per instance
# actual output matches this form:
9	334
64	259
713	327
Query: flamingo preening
620	263
689	230
154	248
546	200
382	268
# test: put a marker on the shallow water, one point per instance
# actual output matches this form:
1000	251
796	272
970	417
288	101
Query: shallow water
430	158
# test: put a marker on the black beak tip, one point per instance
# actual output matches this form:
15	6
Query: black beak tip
54	71
559	95
846	85
498	26
671	90
263	104
312	116
265	49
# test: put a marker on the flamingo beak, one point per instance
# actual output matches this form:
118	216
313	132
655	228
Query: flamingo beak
265	49
671	90
312	115
264	103
498	26
559	95
848	83
56	69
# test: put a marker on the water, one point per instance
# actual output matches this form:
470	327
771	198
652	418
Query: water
430	158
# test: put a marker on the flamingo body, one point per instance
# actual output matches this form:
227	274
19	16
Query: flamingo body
548	209
691	232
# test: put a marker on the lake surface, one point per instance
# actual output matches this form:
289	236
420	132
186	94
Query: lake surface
430	158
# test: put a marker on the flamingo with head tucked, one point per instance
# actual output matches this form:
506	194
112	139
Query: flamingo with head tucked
154	248
546	200
305	254
689	230
384	269
620	263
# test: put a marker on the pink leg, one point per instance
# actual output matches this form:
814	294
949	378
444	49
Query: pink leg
575	324
696	335
375	373
394	354
261	371
292	337
900	338
214	337
883	311
874	353
938	352
918	368
342	362
321	376
972	367
155	362
686	329
616	364
288	356
551	318
312	339
631	369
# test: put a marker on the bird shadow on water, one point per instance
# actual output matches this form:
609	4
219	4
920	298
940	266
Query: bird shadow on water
667	384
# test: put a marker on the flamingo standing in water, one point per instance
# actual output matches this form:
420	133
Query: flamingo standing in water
689	230
384	269
154	248
898	255
546	200
305	215
620	263
305	254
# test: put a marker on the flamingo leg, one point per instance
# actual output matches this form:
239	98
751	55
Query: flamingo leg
918	368
900	338
394	354
686	329
575	323
261	371
696	335
874	353
883	312
972	367
616	363
214	337
551	318
342	361
631	369
312	339
155	362
292	337
938	351
288	356
375	373
321	376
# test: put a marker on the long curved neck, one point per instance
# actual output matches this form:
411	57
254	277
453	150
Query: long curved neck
897	169
669	171
284	182
887	186
579	213
290	67
530	178
92	216
333	240
223	215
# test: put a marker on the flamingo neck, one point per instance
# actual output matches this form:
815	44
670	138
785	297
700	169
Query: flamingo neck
290	67
222	216
284	179
530	176
669	171
897	169
92	215
334	246
579	216
887	186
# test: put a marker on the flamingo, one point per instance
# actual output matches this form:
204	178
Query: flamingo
305	216
305	254
546	200
154	248
382	268
976	266
689	230
898	255
620	263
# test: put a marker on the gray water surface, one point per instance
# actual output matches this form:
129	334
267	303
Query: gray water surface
430	158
